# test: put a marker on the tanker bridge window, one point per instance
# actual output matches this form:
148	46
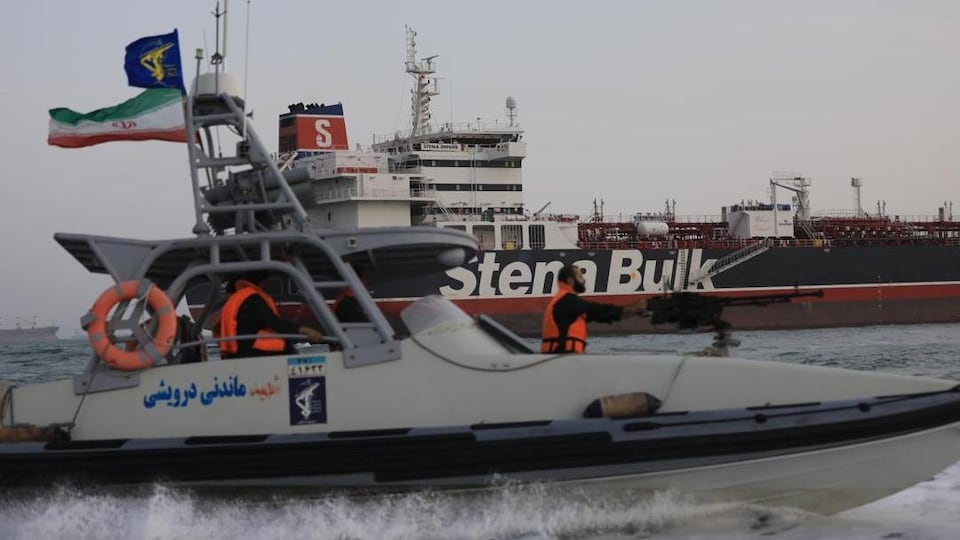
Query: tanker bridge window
485	237
538	237
511	237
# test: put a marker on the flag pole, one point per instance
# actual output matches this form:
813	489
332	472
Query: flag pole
200	228
246	64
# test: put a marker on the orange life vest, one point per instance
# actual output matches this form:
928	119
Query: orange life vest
228	321
347	293
576	335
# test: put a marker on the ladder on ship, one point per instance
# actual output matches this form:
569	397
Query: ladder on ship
807	229
680	276
443	210
729	261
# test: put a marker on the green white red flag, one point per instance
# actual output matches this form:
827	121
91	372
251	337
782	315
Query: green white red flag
156	114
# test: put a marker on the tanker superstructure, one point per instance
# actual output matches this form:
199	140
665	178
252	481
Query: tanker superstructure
874	268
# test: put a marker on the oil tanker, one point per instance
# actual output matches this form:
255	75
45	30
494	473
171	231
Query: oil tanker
28	334
873	267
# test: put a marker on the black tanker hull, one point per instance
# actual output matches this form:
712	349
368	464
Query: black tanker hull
862	285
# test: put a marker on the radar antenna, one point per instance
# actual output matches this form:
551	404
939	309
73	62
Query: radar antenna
512	110
245	192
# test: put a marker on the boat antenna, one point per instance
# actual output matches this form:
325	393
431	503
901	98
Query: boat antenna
244	200
218	58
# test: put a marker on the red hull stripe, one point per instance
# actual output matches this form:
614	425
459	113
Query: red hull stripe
80	141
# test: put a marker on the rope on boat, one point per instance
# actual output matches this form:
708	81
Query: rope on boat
17	433
86	390
6	400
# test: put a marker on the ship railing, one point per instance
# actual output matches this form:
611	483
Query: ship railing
334	194
423	193
910	218
383	193
706	218
656	244
449	127
479	218
730	260
635	217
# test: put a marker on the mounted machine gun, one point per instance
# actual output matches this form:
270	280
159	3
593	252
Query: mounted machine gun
690	311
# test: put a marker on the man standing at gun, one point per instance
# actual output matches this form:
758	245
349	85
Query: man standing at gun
565	319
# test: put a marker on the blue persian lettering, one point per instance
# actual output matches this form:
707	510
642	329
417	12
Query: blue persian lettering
170	396
179	397
231	387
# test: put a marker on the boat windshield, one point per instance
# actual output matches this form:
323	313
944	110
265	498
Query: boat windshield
431	311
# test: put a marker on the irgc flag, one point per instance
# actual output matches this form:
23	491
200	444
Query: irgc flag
154	62
154	114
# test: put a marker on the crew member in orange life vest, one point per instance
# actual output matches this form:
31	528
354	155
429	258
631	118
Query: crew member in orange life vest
250	310
346	307
565	319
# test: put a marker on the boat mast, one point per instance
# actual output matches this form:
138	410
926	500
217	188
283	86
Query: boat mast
245	200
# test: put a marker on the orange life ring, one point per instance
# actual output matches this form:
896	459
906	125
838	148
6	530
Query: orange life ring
147	353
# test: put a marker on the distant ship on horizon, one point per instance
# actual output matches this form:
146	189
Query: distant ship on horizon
31	334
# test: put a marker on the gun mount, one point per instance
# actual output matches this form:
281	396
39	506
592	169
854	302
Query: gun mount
255	186
690	311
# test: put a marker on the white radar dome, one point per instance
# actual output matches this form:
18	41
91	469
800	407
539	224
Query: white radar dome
212	83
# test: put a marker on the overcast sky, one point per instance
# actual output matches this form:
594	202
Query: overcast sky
632	102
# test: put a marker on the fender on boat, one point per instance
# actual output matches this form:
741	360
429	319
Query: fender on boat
623	406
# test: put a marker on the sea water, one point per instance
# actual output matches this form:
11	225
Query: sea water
929	510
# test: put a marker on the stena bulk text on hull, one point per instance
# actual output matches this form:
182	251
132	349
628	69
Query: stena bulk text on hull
862	285
873	267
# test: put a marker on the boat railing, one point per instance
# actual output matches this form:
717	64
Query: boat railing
204	342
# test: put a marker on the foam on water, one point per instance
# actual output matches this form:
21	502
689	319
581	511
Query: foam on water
511	512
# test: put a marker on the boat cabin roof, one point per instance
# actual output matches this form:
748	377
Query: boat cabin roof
397	250
314	262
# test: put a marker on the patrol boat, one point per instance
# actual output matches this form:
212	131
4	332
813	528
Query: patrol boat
460	402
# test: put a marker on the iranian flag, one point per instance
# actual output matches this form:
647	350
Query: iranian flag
155	114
